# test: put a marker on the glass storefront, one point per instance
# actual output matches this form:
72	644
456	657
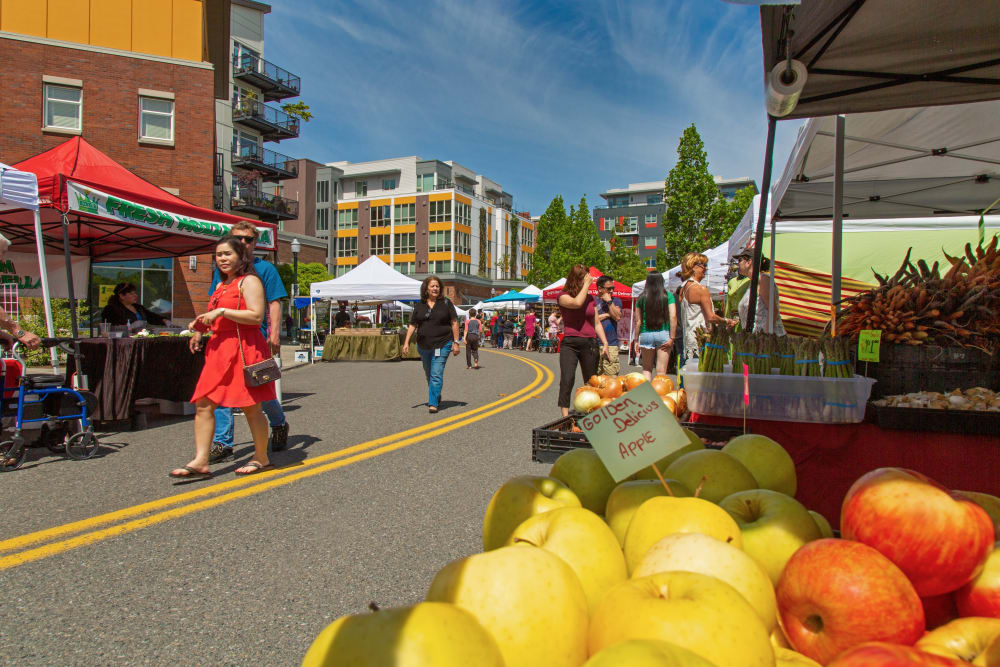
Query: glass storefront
154	279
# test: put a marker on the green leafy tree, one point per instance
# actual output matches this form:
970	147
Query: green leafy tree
624	264
729	213
585	244
33	320
663	262
483	242
552	254
691	221
297	109
515	244
309	273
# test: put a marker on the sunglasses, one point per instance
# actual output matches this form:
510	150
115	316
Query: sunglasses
245	239
702	265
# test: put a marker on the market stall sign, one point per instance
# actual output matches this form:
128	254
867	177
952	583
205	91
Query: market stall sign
869	342
94	202
633	431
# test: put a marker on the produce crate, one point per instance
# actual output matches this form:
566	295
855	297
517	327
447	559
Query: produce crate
965	422
549	442
905	369
780	397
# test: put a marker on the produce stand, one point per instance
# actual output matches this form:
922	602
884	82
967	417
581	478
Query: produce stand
366	345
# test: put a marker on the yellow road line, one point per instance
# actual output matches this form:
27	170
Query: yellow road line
543	376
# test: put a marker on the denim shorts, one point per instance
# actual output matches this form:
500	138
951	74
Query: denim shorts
650	340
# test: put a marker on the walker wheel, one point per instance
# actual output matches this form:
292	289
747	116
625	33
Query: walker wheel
9	459
82	445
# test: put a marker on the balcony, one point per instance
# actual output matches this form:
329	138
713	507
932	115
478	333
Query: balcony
274	82
627	229
272	166
264	205
273	124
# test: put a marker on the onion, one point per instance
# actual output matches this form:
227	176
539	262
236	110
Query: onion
605	401
594	381
612	388
633	380
671	405
665	381
586	399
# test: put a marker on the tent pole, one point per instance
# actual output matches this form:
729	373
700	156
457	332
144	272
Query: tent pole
69	276
90	290
46	295
838	212
773	312
765	188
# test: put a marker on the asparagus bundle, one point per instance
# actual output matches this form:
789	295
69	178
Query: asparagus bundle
715	348
786	355
837	357
742	351
806	357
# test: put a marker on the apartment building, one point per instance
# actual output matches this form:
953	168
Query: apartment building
634	215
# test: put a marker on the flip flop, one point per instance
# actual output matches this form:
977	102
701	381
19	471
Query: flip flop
256	465
190	474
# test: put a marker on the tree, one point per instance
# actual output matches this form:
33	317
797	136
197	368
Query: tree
729	213
552	257
309	273
297	109
515	244
662	262
624	264
585	243
691	221
483	242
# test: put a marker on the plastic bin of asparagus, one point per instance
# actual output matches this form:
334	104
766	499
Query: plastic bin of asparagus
768	354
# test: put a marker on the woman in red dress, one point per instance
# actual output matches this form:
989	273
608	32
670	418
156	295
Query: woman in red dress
237	304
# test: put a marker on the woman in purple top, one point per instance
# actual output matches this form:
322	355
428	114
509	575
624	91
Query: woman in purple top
581	331
529	326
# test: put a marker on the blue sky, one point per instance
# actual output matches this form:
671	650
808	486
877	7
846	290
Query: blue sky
547	98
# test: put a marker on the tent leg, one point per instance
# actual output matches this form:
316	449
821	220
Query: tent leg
765	190
46	295
773	312
838	212
69	276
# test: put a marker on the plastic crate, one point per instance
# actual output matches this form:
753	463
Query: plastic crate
909	368
965	422
780	397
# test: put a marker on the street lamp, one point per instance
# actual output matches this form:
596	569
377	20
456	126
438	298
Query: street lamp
296	247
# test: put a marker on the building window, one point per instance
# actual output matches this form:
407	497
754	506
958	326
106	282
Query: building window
440	211
528	237
347	247
463	243
322	219
527	261
650	242
439	241
463	268
463	214
341	270
380	216
651	219
405	214
654	199
607	244
156	119
406	268
388	183
322	192
404	244
347	219
154	278
443	266
360	188
63	107
650	262
380	244
425	182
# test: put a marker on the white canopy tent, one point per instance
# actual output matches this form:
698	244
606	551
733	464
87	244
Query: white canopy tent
715	277
532	290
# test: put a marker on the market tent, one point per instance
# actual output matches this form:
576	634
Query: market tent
372	280
805	297
623	292
715	276
511	297
532	290
556	285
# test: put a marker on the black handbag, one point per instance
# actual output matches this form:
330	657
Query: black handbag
262	372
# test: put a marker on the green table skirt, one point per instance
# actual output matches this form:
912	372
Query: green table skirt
366	347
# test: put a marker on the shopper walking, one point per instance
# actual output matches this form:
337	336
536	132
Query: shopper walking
696	303
436	324
236	310
473	335
609	311
655	321
508	332
530	322
581	331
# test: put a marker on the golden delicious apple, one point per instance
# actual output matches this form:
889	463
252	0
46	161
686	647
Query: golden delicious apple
646	653
989	503
767	461
582	471
773	525
964	638
786	657
664	463
428	634
694	552
627	496
661	516
529	600
518	499
584	541
778	638
824	526
722	474
695	611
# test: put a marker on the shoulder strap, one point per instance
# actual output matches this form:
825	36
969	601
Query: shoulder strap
239	338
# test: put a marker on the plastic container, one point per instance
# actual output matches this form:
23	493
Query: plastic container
909	368
780	397
966	422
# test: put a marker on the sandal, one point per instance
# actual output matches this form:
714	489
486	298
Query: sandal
433	410
190	473
255	467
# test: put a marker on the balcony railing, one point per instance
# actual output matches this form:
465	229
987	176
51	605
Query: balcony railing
274	82
624	230
273	124
271	164
265	205
641	203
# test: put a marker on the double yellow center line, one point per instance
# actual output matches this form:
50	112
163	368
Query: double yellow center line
54	540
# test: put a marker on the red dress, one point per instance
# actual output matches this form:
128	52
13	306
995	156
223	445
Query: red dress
222	380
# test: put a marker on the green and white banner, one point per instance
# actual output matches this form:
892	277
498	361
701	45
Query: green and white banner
20	269
85	199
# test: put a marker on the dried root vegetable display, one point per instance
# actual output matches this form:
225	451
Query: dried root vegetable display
918	305
975	399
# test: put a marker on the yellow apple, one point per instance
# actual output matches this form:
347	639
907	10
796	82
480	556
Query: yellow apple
661	516
694	552
773	525
529	600
824	526
584	541
786	657
695	611
989	503
518	499
664	463
964	638
991	656
582	471
722	474
627	496
647	653
428	634
767	461
778	638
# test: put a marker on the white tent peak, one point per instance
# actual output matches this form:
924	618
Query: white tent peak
372	280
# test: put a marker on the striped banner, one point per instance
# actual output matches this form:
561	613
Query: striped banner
805	297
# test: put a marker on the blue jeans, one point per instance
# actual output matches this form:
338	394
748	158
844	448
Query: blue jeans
434	370
224	426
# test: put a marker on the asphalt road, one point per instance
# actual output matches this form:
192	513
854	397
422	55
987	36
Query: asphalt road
237	571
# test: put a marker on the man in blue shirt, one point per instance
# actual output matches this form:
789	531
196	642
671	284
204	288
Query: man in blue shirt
609	311
274	291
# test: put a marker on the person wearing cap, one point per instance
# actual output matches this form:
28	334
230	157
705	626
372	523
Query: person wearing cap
768	297
696	302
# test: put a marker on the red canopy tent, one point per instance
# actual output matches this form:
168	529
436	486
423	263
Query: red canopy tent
623	292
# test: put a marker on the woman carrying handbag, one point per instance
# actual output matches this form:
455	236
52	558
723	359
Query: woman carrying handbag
239	371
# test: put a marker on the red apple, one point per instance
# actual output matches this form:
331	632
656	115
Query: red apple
835	594
981	596
937	537
882	654
939	609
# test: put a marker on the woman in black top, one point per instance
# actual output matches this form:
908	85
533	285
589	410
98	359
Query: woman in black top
436	323
123	308
473	336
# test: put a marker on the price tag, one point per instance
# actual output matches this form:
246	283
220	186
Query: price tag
869	342
633	431
746	385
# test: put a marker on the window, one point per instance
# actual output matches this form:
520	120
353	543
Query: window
463	214
440	267
322	219
360	188
607	244
380	216
154	278
347	219
654	199
527	261
528	237
380	244
651	219
156	118
425	182
341	270
347	247
440	211
439	241
244	57
63	107
405	214
617	202
650	242
463	268
404	244
463	243
248	145
388	183
650	262
406	268
322	192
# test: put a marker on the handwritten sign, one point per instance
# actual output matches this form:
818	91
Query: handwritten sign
633	431
746	385
869	342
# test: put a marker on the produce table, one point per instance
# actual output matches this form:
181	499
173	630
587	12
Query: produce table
123	370
830	457
366	347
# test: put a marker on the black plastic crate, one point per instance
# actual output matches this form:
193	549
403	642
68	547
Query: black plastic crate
964	422
909	368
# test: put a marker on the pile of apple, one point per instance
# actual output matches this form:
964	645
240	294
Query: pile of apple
725	569
602	389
